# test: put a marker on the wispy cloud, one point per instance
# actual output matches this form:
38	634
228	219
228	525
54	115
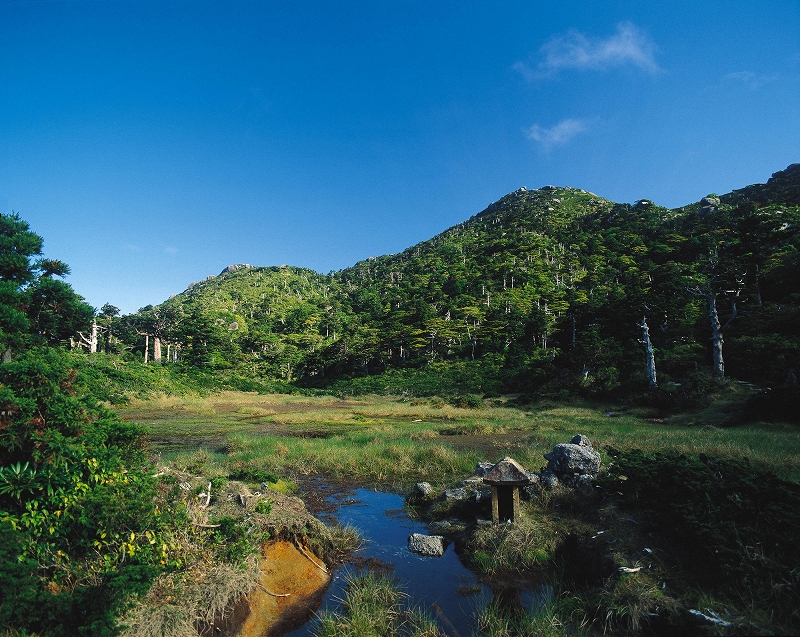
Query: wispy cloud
170	249
557	135
753	81
628	46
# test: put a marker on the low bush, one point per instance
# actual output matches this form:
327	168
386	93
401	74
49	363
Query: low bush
745	520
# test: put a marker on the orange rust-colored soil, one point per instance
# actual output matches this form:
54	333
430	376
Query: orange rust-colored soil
291	587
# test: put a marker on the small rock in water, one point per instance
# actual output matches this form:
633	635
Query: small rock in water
430	545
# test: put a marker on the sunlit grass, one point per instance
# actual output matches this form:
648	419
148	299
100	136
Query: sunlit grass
389	441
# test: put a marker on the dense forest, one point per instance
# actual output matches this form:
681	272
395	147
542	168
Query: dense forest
554	290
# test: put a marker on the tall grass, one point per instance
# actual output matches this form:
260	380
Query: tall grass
374	606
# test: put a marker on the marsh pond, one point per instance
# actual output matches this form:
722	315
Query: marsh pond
445	589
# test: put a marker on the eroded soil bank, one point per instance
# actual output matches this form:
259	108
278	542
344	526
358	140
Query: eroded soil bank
290	588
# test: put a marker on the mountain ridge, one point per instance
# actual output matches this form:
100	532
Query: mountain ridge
546	283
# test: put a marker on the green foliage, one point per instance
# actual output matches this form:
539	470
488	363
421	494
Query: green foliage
76	502
252	473
500	548
232	540
264	507
35	309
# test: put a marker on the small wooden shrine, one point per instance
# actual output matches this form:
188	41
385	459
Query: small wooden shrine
505	478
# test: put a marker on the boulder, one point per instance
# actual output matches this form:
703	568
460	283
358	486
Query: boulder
570	460
454	495
482	468
581	441
583	483
430	545
423	489
548	479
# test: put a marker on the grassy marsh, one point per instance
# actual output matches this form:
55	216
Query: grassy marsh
392	442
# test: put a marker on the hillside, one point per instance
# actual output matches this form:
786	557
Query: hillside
554	289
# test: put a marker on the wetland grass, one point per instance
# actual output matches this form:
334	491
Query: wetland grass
391	443
375	606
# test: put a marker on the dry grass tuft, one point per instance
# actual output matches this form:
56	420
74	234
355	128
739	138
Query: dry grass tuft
177	602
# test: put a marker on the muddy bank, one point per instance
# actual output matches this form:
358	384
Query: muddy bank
290	589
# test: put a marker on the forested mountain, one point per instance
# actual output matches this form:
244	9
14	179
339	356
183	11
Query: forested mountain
552	287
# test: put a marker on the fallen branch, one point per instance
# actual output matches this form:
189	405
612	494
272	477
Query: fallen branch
261	586
711	618
302	550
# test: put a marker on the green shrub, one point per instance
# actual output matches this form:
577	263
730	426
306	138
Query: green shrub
746	520
76	502
250	473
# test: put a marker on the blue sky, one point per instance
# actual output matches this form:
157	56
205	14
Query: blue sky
153	143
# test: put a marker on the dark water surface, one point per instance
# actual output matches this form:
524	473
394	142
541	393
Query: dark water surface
432	583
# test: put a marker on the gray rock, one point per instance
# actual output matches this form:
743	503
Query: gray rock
570	460
548	479
456	494
710	201
535	485
431	545
447	526
482	468
473	481
482	494
422	489
583	483
235	267
581	441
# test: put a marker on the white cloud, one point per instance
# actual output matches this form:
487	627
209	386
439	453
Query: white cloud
629	46
751	80
557	135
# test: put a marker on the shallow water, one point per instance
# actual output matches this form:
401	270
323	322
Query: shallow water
432	583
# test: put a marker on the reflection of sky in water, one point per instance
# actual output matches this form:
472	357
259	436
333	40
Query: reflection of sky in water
428	580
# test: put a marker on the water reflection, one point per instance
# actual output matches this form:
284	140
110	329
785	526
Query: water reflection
442	586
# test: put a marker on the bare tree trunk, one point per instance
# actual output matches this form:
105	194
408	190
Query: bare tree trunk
146	347
7	355
649	355
156	349
718	366
91	342
717	341
93	337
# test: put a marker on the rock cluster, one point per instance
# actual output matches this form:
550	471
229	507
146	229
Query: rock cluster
574	464
708	204
235	267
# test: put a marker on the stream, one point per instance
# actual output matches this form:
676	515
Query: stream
443	587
